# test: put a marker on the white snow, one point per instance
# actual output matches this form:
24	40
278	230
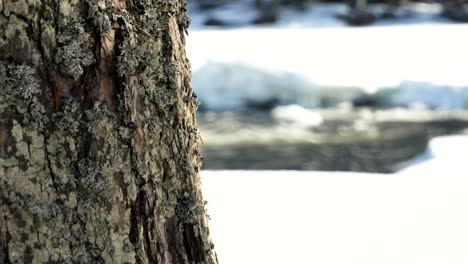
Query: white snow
231	65
445	155
451	147
417	216
297	115
410	94
223	86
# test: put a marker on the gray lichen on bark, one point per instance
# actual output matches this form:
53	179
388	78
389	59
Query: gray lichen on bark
99	154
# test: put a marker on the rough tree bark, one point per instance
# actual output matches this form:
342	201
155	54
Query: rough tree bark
99	154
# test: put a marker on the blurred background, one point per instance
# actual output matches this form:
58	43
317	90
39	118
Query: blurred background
327	85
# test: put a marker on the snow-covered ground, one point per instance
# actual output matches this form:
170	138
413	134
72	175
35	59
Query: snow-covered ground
417	216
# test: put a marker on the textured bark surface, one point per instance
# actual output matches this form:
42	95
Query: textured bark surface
99	151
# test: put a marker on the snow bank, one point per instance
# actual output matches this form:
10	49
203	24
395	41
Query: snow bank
445	155
235	67
315	217
231	86
410	94
224	86
416	216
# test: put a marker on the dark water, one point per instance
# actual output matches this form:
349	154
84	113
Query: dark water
255	141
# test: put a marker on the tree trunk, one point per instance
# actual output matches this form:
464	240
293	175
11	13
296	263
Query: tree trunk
99	153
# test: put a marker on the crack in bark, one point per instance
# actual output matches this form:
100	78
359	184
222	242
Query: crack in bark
4	257
4	241
45	70
49	165
19	16
139	217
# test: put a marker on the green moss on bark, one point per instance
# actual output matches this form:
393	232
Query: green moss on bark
99	145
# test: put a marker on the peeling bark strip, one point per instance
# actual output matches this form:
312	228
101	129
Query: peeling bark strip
99	154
